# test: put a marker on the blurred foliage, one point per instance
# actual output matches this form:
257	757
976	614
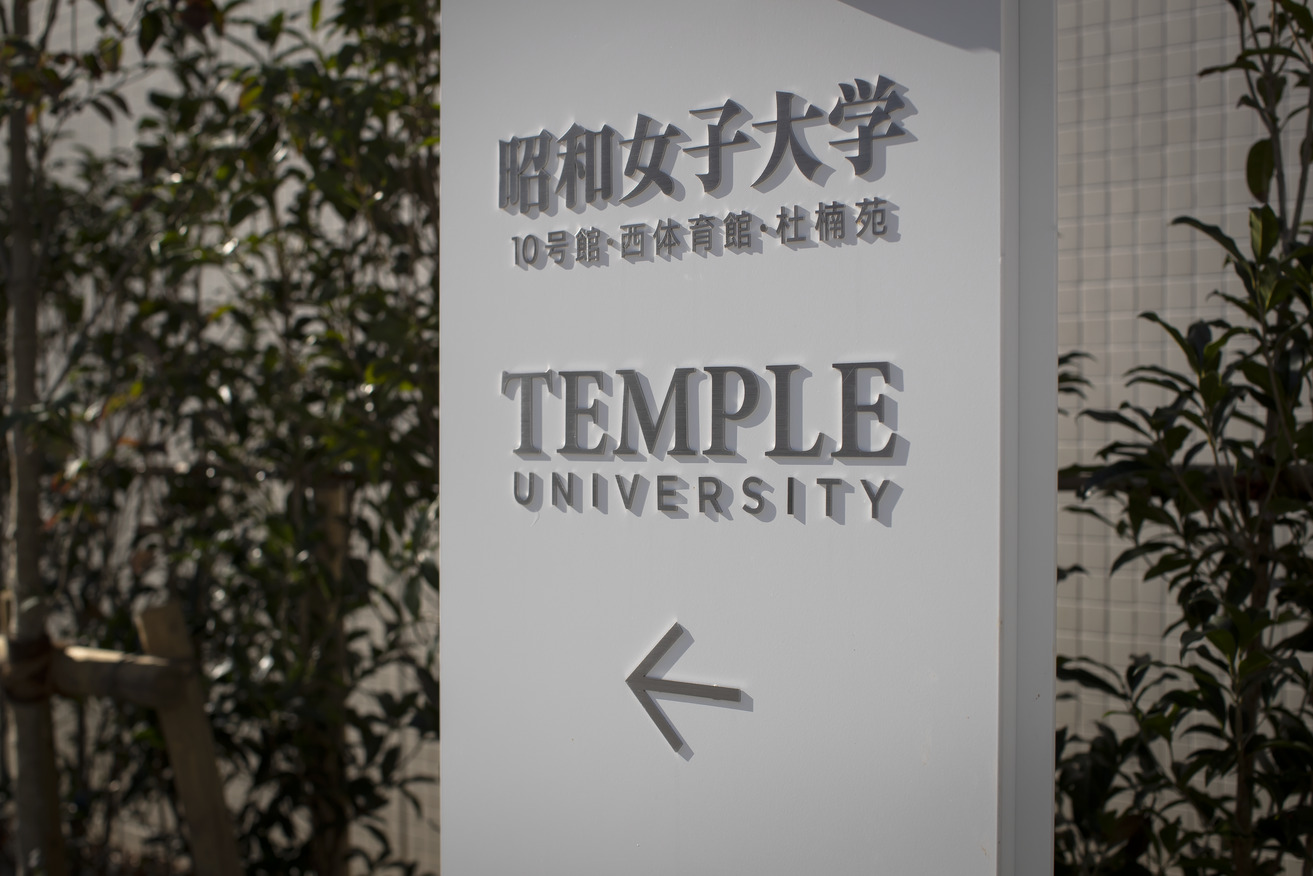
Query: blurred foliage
240	327
1205	765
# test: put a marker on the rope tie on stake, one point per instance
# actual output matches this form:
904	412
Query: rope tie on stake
25	669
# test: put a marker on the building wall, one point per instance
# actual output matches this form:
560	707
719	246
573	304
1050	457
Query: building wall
1142	139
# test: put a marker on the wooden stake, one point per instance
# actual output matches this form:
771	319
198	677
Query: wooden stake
190	743
146	681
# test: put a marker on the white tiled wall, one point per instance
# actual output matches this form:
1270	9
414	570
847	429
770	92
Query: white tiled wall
1142	139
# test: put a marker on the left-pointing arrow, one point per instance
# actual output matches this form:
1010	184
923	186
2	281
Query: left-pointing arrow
643	685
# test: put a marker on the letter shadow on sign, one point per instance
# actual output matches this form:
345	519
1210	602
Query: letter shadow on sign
895	379
896	450
665	666
880	498
886	497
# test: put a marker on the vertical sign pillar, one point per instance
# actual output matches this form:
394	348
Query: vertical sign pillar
748	437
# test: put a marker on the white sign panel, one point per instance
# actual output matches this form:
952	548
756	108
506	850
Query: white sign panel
732	422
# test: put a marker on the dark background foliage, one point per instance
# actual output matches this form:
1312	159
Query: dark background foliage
238	398
1205	764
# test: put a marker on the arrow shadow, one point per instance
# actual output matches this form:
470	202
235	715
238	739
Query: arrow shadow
743	705
685	751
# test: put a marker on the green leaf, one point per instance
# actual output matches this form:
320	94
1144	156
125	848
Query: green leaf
316	9
1134	553
1259	168
250	94
1300	13
1264	231
152	25
1226	242
1223	641
411	595
1253	664
1084	677
110	51
1188	348
102	110
243	208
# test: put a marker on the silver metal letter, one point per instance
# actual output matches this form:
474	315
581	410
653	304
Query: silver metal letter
752	489
573	411
851	447
527	499
784	416
829	484
710	496
668	488
636	399
627	498
720	414
564	488
529	439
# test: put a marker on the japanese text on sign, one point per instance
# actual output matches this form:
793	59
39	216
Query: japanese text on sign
582	167
706	235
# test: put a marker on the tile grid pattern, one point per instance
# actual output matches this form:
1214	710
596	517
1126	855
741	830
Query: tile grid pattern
1142	139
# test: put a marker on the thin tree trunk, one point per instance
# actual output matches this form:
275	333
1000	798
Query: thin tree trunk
40	845
330	808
